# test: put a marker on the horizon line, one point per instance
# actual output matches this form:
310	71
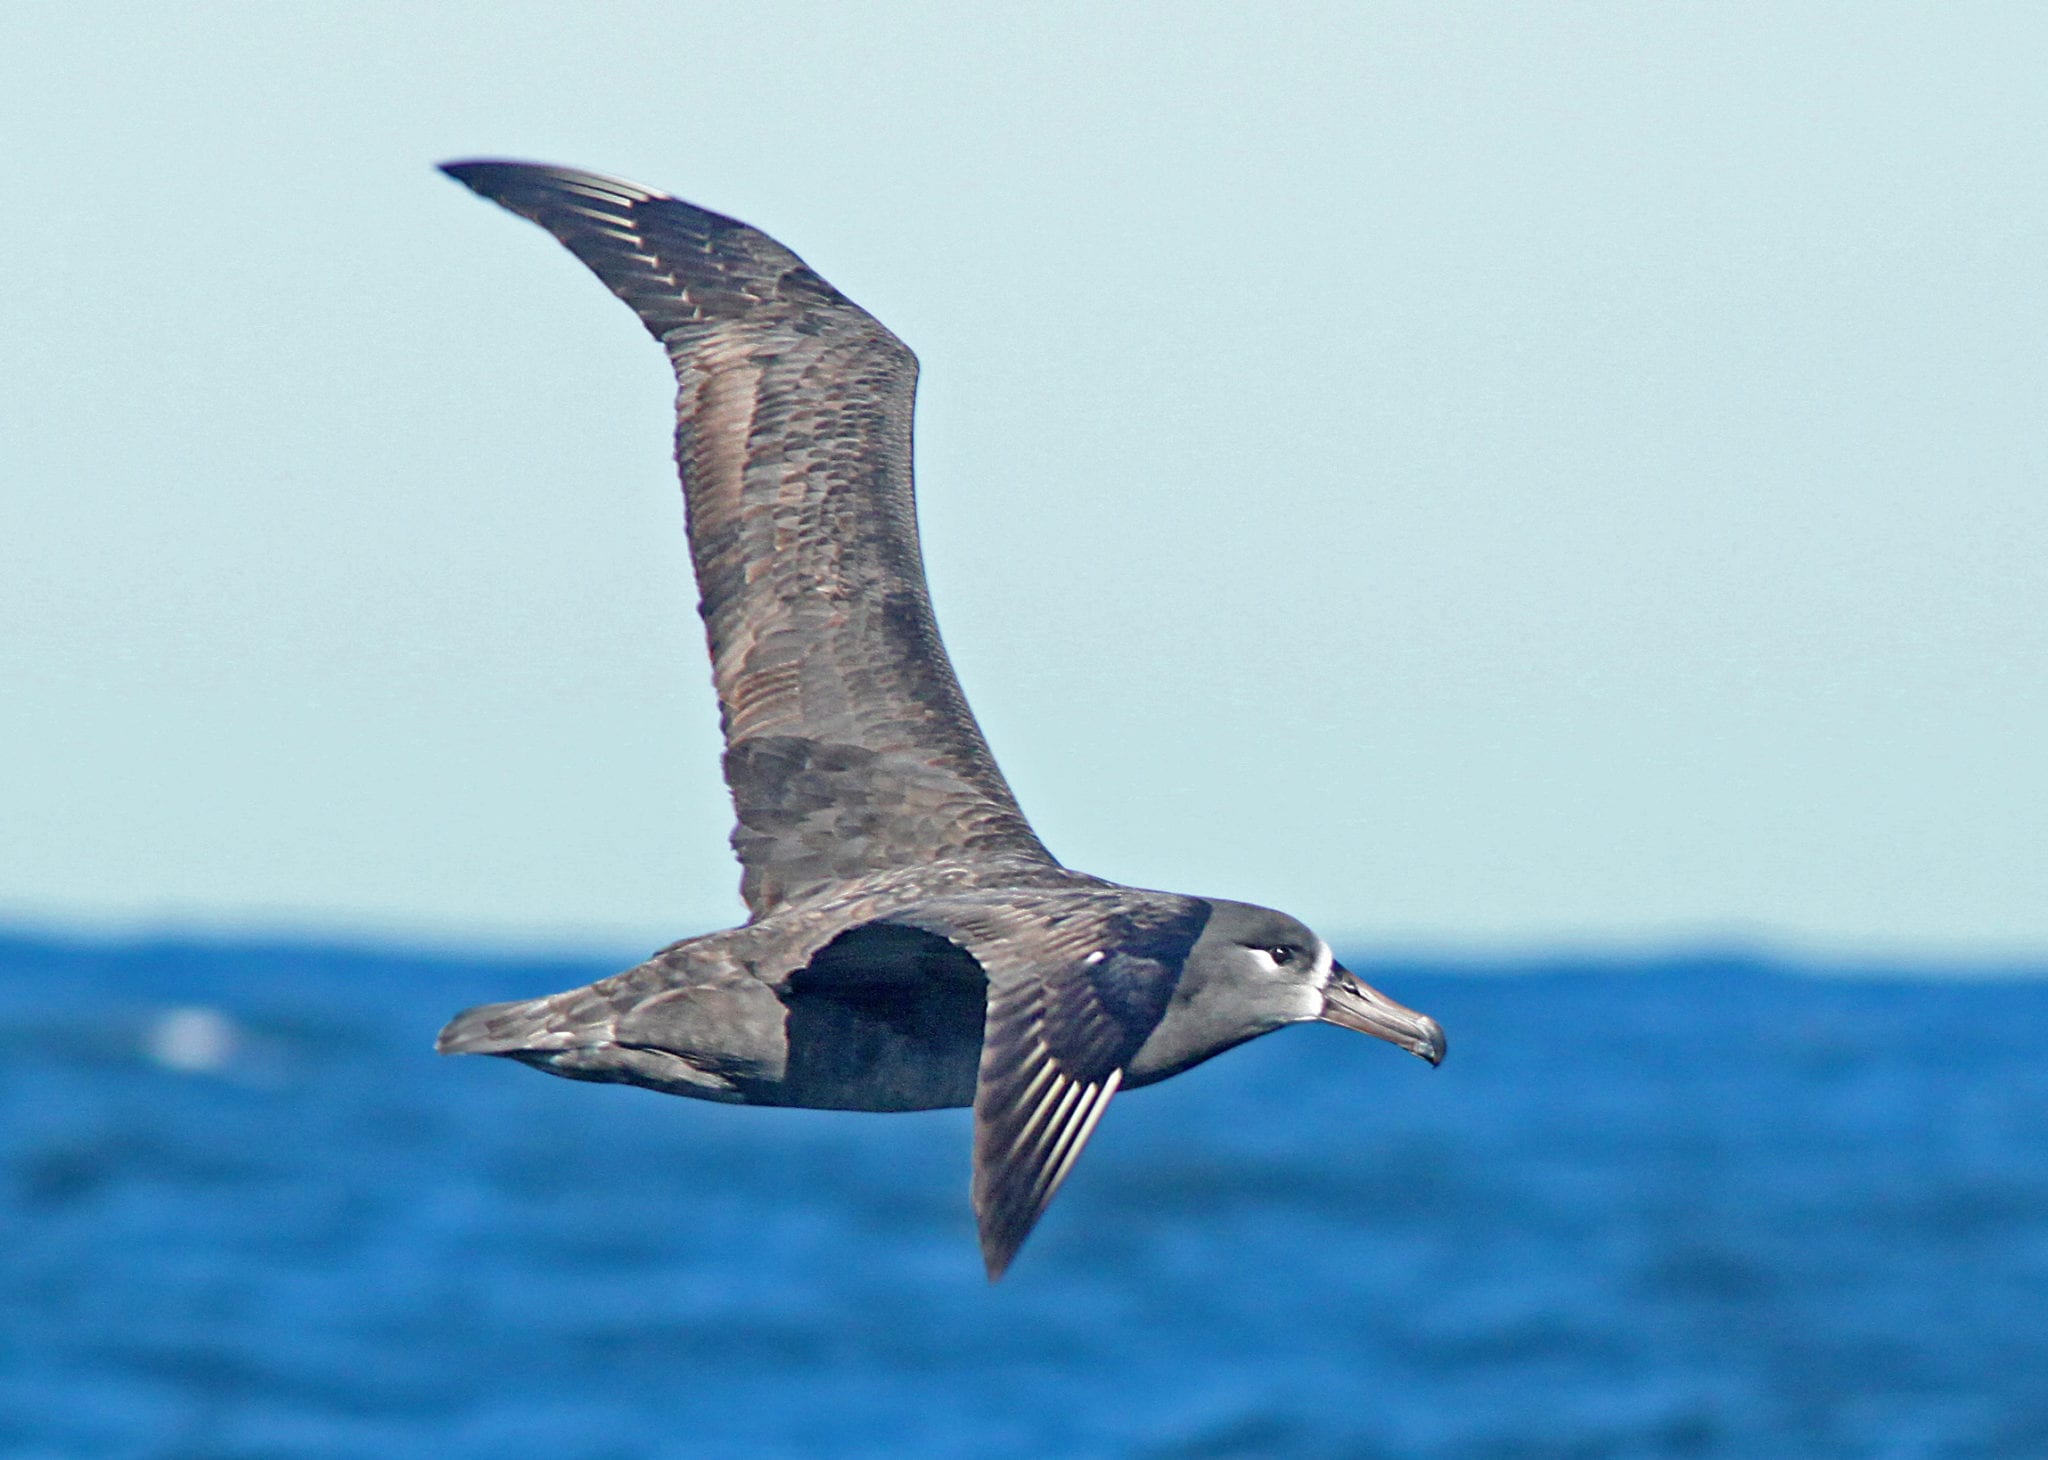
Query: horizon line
1490	955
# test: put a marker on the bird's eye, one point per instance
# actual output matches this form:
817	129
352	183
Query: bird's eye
1283	953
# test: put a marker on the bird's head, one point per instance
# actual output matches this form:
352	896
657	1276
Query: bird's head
1296	978
1254	970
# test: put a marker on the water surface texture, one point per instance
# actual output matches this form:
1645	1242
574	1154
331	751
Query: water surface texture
1705	1207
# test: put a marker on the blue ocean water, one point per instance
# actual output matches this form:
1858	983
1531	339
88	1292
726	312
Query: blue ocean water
1702	1208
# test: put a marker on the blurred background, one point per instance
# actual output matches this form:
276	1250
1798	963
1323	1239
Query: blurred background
1553	498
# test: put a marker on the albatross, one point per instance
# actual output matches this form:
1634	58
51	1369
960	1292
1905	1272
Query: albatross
910	943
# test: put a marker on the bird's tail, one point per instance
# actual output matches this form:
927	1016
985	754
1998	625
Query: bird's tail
573	1035
512	1028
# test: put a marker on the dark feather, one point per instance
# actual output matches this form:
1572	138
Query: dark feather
849	747
1078	980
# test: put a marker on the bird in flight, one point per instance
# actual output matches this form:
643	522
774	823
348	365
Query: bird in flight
910	944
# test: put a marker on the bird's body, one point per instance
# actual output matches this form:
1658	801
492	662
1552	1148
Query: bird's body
837	1006
911	943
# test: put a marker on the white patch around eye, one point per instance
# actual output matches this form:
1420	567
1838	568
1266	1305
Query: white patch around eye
1295	994
1094	958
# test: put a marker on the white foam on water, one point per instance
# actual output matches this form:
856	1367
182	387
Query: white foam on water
196	1040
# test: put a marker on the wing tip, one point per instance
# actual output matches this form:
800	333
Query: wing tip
1001	1226
1002	1237
478	173
493	176
1009	1198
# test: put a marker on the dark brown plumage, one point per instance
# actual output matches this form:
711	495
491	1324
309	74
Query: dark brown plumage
911	943
849	747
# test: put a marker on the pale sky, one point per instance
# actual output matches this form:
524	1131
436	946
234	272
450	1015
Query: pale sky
1474	477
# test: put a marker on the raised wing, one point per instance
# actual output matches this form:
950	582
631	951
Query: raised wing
1077	983
849	747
